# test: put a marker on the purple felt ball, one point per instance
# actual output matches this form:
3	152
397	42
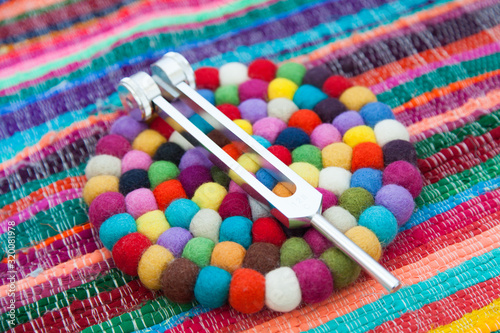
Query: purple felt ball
347	120
183	108
136	159
398	200
403	174
140	202
317	242
253	109
315	280
128	127
112	144
329	199
195	156
104	206
192	177
254	88
174	240
269	128
325	134
399	150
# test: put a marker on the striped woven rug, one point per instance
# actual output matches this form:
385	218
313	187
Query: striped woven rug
435	62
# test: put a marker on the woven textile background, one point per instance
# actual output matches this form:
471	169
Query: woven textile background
435	62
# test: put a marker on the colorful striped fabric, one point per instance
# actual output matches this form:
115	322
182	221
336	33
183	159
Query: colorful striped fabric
435	62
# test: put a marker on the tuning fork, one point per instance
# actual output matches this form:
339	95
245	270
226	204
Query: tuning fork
172	79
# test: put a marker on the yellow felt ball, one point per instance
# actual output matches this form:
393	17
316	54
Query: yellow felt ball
281	88
244	125
228	256
209	195
152	224
307	171
98	185
249	161
152	264
337	154
148	141
356	97
359	134
366	240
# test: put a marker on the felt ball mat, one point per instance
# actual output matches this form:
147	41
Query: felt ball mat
435	63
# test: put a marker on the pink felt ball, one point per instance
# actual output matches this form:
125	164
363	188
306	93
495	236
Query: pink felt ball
317	242
403	174
269	128
329	199
136	159
104	206
315	280
325	134
235	188
254	88
113	144
235	204
140	202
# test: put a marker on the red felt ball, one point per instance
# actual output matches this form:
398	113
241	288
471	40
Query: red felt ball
235	204
207	78
268	230
306	120
128	251
367	155
112	144
262	69
247	290
234	149
167	192
231	111
161	126
335	85
282	153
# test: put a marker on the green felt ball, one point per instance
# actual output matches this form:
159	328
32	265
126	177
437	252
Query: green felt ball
219	176
355	200
199	250
344	269
308	153
292	71
161	171
294	250
227	95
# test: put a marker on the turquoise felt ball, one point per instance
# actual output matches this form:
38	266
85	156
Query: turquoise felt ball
116	227
180	212
307	96
236	229
381	221
212	287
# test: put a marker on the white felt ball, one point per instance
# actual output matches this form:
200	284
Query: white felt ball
335	179
233	73
103	165
206	223
282	290
390	130
281	108
340	218
177	137
258	210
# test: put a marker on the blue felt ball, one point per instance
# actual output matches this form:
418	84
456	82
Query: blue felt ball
201	123
381	221
115	227
292	138
212	287
208	95
266	177
367	178
262	141
307	96
236	229
180	213
374	112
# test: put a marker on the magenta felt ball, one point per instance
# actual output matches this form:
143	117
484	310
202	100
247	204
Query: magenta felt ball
398	200
347	120
174	240
317	242
128	127
329	199
403	174
140	201
235	204
136	159
195	156
254	88
325	134
269	128
315	280
235	188
105	206
253	109
112	144
192	177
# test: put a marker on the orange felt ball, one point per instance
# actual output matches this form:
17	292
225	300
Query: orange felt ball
247	290
306	120
167	192
284	189
228	256
367	155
